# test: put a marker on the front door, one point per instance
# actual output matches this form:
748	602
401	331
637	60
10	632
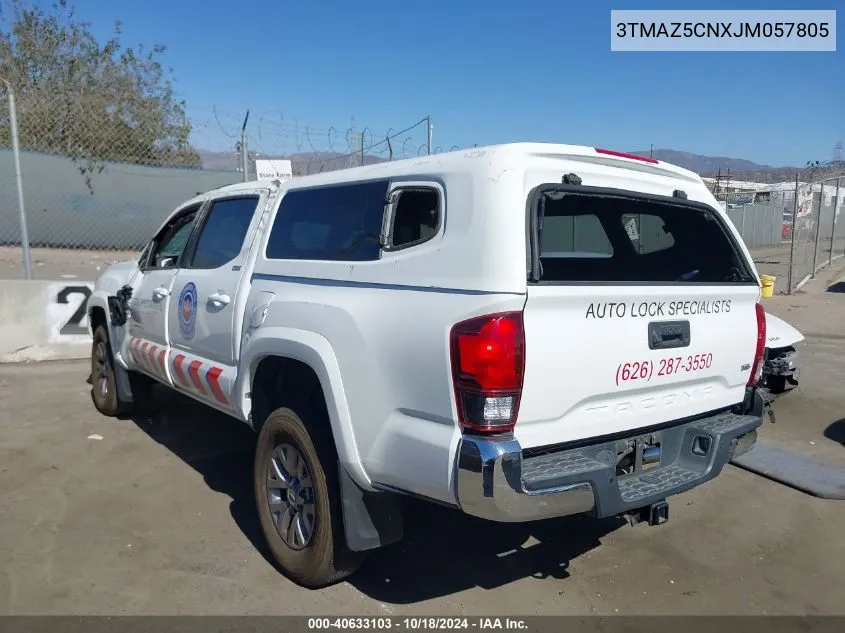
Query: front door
203	327
147	343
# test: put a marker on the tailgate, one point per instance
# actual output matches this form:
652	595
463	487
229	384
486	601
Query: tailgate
641	311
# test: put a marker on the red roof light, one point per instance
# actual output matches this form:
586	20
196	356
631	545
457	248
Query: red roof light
611	152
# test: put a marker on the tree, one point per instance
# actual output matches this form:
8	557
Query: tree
88	101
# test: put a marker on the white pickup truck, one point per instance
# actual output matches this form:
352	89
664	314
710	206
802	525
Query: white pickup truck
520	332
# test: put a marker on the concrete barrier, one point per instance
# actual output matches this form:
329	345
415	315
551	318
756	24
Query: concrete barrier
44	320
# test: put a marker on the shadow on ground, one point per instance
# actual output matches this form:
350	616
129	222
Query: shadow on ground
443	551
836	431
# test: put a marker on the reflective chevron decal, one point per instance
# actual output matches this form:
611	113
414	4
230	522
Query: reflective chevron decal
213	377
148	357
194	371
197	376
142	355
177	369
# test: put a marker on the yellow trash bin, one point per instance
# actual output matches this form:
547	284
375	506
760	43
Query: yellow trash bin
768	285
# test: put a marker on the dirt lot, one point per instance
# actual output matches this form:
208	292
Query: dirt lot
157	517
812	418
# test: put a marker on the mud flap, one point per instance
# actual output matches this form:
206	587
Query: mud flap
370	519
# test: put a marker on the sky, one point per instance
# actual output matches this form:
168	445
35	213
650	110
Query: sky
486	72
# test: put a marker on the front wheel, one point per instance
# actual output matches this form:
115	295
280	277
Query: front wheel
103	381
297	494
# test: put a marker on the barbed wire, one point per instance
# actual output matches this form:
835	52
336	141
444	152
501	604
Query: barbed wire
312	148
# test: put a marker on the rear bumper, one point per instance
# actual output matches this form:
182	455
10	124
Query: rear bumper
496	481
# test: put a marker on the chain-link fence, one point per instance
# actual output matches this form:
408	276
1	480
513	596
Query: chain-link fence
97	183
819	234
95	188
793	229
759	216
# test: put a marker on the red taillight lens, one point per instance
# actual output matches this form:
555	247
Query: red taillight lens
488	363
757	367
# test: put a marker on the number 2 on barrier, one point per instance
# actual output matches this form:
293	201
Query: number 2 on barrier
73	326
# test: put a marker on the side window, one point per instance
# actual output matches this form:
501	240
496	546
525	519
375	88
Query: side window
574	236
416	216
169	245
340	222
223	231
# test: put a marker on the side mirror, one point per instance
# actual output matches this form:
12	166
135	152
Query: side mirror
167	262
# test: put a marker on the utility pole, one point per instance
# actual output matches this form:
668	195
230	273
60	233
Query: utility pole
429	133
16	154
362	148
244	150
651	150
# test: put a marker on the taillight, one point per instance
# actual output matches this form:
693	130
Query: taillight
488	363
757	367
611	152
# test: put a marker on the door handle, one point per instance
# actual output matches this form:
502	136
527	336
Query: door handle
219	297
160	292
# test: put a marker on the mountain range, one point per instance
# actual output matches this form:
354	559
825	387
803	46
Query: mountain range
736	168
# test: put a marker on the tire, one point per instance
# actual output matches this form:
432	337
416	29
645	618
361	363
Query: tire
322	558
103	382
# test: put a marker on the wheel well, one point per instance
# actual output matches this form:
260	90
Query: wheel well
286	382
97	318
370	519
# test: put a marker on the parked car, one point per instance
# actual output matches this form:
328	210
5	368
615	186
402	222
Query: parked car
386	337
780	359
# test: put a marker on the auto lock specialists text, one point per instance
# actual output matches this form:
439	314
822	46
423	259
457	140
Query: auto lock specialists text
647	309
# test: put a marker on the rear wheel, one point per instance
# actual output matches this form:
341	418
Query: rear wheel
297	494
103	381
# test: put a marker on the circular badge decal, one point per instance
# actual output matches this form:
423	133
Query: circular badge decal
188	310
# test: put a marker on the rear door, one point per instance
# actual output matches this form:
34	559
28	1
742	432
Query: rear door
640	311
147	343
204	315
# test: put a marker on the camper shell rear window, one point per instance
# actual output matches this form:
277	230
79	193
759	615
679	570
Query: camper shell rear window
579	234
